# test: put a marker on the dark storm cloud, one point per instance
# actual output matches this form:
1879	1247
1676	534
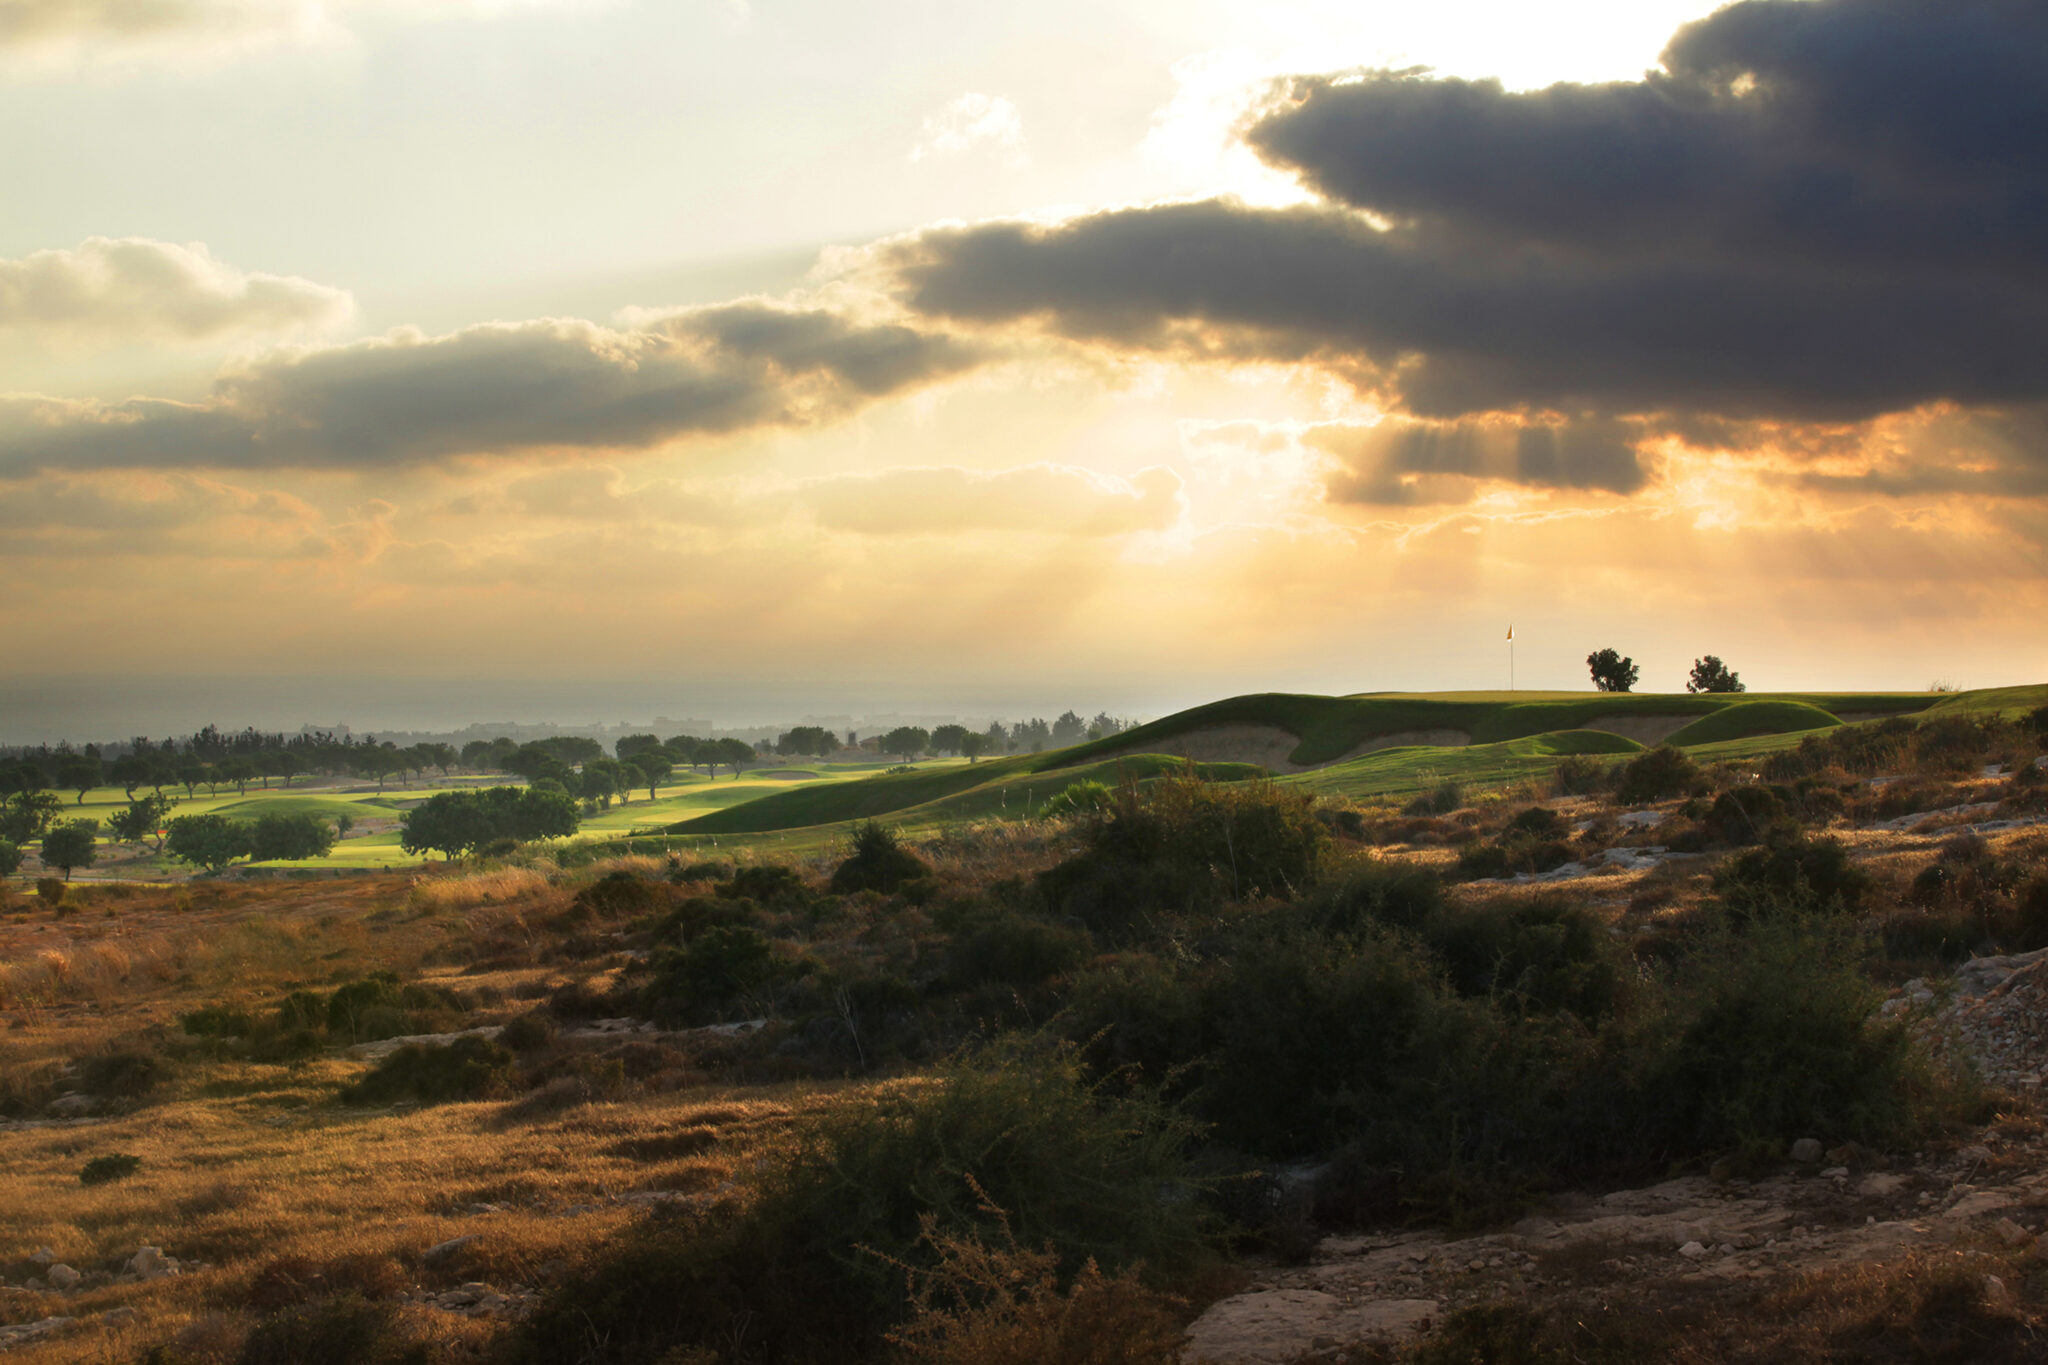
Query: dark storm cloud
1404	463
1821	210
408	398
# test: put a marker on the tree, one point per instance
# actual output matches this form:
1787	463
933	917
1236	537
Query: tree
1104	725
191	772
1033	734
454	823
632	746
477	753
807	739
442	756
80	775
950	739
142	821
654	769
237	771
906	740
733	753
71	844
27	814
1711	675
290	838
603	778
1612	672
207	841
998	737
10	857
449	823
130	771
1068	729
974	746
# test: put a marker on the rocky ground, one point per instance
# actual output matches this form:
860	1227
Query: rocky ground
1830	1208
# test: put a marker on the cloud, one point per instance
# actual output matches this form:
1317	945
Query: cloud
971	122
72	31
1399	462
408	398
117	290
918	500
1045	498
1817	211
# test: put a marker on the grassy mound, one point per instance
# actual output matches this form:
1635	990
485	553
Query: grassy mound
1006	787
1749	718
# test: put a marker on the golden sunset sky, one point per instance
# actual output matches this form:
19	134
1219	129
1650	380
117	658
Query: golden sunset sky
408	362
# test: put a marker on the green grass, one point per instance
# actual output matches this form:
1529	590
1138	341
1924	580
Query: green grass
1330	727
1407	771
1746	719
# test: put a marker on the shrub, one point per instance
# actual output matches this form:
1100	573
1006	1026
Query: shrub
344	1327
1016	950
1776	1038
1540	954
723	967
528	1032
113	1166
621	895
365	1010
999	1304
1188	845
1744	815
50	890
764	882
1375	891
1799	875
123	1073
10	858
1659	775
812	1267
879	863
466	1069
217	1021
1441	799
1580	775
1081	798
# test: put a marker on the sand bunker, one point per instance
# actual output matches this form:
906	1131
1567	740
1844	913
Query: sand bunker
1269	745
1648	731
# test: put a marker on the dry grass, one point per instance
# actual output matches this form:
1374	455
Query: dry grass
506	885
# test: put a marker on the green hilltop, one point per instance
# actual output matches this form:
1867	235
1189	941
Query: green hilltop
1383	744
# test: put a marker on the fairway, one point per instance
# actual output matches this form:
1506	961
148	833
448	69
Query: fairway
1364	748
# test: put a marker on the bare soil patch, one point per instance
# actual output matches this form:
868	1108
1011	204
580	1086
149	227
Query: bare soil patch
1269	745
1649	731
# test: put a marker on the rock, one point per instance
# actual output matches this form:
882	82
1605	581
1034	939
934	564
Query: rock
2011	1233
63	1278
69	1107
119	1317
1878	1186
1269	1327
44	1256
1692	1251
1806	1151
1977	1203
447	1251
1835	1173
22	1332
149	1263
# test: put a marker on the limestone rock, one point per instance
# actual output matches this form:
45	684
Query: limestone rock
1274	1326
447	1251
63	1278
1806	1151
150	1263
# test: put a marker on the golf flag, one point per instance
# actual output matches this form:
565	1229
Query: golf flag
1511	632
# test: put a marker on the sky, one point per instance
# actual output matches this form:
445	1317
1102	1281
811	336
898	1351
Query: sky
415	362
